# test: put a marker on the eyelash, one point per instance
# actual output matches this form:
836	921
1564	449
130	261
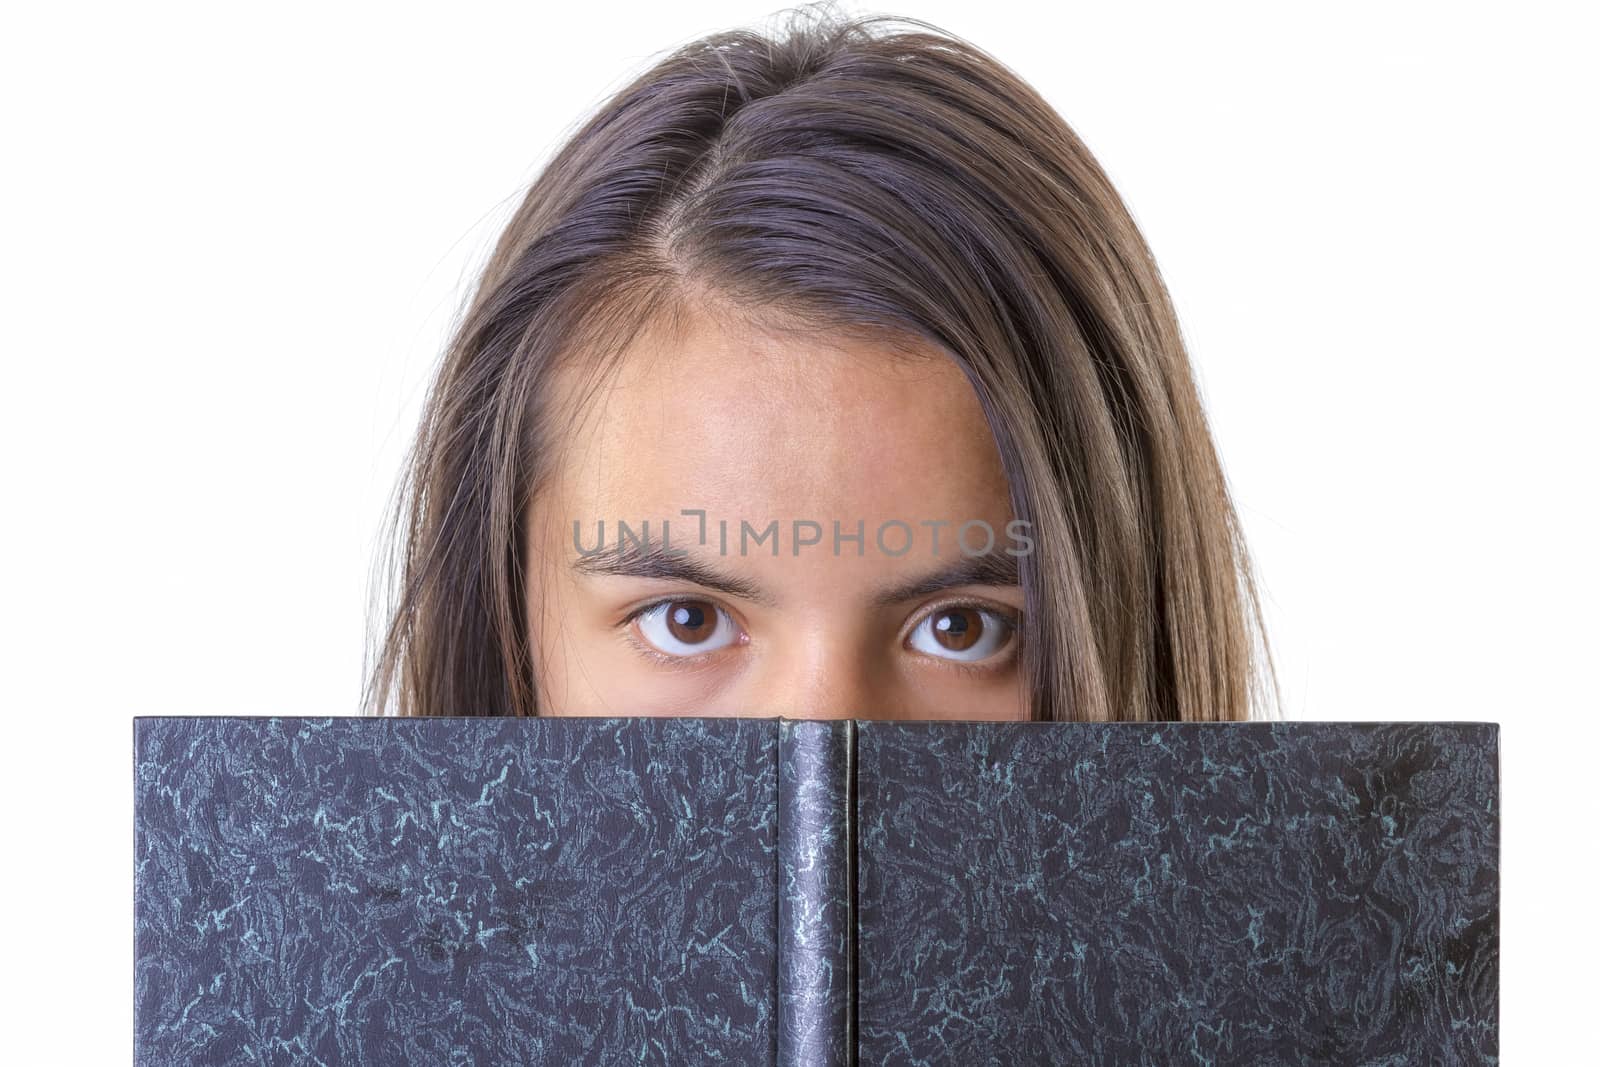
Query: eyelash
973	670
691	662
655	654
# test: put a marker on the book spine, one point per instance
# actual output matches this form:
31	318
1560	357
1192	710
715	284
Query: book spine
816	921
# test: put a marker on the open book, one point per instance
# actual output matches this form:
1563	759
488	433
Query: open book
773	891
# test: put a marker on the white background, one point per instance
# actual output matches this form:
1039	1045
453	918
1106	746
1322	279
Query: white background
234	236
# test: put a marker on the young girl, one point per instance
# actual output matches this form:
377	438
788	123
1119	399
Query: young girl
822	374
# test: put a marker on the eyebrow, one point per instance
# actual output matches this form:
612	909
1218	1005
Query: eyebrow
630	559
988	569
651	560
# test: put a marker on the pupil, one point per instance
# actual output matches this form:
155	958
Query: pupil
686	620
956	630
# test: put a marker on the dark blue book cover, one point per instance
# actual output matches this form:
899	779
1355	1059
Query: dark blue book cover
770	891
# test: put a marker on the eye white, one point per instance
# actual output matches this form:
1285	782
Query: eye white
655	625
996	628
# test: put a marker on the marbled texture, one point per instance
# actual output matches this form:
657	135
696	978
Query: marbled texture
1176	894
815	983
455	891
757	891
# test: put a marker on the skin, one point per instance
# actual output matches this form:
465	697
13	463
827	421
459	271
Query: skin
754	426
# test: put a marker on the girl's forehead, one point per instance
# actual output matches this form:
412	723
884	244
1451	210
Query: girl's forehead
736	420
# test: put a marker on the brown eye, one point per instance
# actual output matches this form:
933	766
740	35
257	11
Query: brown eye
691	621
687	627
962	632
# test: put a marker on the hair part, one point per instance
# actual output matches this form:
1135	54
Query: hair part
877	177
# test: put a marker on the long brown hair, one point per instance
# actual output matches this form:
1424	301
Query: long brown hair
869	175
